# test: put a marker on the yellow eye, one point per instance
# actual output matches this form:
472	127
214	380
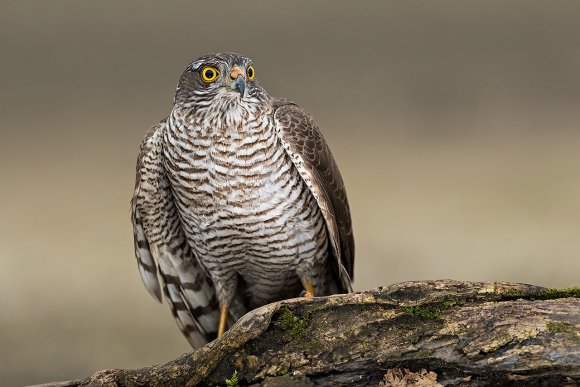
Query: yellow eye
250	73
209	74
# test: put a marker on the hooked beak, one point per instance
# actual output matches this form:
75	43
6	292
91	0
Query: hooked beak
237	80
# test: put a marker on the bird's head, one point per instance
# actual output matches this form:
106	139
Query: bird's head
225	80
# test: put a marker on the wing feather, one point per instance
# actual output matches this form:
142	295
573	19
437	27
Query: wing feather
162	250
311	155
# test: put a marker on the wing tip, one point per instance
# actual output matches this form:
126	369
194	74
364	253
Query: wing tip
151	283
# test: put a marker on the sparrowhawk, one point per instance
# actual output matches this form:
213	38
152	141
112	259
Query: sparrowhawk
238	201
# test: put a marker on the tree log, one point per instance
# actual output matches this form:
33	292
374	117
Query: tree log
414	333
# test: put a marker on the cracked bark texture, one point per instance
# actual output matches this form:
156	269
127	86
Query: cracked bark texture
468	334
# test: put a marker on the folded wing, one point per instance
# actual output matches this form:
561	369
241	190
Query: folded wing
311	156
165	259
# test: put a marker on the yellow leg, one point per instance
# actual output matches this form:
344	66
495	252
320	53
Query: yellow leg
223	319
309	290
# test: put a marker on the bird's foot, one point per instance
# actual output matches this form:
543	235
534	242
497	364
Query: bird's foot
308	291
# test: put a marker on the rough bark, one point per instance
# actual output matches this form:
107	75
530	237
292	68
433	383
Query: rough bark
459	333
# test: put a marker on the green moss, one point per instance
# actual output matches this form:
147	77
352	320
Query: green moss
414	338
424	353
294	325
547	294
233	381
550	294
422	312
460	329
448	304
556	326
568	330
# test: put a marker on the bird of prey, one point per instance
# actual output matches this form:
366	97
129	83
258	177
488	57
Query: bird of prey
238	202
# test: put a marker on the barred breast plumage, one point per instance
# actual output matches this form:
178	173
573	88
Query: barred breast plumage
246	203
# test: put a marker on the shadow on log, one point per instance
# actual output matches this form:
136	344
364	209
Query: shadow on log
414	333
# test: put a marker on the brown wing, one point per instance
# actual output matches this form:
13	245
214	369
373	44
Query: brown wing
311	155
162	249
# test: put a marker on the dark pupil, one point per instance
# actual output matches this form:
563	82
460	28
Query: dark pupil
250	72
209	73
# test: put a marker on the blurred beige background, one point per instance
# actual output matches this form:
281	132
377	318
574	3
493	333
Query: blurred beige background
456	126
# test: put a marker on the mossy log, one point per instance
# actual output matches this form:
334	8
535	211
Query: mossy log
457	333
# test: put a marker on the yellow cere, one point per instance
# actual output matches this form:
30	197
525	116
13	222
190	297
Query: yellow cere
209	74
250	73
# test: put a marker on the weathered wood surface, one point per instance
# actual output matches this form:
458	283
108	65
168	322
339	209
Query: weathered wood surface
467	334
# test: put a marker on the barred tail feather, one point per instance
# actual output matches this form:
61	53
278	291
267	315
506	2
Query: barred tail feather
197	323
145	260
191	297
